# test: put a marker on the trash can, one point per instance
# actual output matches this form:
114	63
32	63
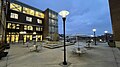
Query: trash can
111	43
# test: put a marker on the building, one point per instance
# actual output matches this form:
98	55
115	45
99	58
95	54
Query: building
51	24
25	23
115	16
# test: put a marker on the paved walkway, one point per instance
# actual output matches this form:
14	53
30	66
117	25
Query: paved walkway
98	56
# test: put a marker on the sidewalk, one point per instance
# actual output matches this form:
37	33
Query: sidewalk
98	56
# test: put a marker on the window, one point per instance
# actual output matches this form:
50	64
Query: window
29	19
17	26
56	30
15	7
50	14
28	11
37	28
14	15
39	14
50	30
30	28
53	16
50	21
53	29
9	25
41	29
13	26
39	21
53	23
25	27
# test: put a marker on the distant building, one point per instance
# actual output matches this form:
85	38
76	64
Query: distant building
51	24
25	22
115	16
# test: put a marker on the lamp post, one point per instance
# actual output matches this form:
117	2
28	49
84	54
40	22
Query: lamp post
63	14
94	30
106	35
23	32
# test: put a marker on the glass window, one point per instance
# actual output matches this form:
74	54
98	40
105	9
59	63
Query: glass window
41	29
17	26
25	27
53	16
28	11
39	14
9	25
52	22
50	14
50	30
37	28
30	28
49	21
39	21
15	7
13	26
14	15
29	19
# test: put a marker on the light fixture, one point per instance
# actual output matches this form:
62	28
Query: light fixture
63	13
105	31
94	30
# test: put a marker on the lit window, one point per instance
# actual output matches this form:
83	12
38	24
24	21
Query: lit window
53	16
25	27
39	21
28	11
30	28
41	29
49	14
14	15
29	19
37	28
13	26
39	14
9	25
15	7
17	26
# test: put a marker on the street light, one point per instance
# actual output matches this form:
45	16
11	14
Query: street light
63	14
94	30
23	32
106	35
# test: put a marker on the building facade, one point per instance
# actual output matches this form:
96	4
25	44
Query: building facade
51	24
115	16
24	23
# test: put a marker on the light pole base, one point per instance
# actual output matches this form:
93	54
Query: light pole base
66	64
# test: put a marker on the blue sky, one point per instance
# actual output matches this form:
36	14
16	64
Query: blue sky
84	14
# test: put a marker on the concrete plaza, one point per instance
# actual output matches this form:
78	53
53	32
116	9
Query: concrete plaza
97	56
